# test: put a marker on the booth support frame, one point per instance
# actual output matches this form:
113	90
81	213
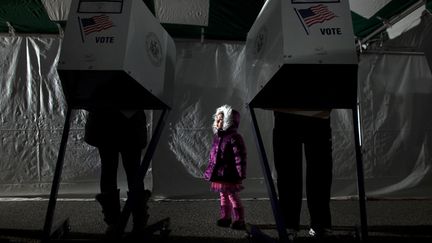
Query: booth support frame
48	233
280	224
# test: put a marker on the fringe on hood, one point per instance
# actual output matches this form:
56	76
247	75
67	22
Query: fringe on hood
231	118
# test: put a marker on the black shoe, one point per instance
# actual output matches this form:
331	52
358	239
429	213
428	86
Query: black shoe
238	225
223	222
320	233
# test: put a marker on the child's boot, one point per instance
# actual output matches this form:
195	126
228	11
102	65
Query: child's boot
238	223
225	219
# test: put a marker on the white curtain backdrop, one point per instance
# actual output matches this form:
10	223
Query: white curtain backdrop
395	94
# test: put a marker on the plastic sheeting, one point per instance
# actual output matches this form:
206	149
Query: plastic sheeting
208	75
190	12
396	159
396	93
57	10
369	8
394	90
32	110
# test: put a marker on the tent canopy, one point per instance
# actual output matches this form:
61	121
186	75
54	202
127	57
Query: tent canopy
209	19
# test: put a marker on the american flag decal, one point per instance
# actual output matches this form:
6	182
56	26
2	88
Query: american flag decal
96	24
315	14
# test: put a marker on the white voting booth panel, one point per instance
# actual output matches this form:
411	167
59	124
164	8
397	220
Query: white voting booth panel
115	54
302	53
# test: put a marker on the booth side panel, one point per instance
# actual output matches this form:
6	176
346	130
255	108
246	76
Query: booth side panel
264	47
146	49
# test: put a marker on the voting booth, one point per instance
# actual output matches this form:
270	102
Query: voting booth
115	56
301	55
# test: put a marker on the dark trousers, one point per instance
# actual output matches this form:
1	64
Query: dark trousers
131	158
290	133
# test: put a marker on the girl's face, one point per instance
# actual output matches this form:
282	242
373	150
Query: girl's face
219	120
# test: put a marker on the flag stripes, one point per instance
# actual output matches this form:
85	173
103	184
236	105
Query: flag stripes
96	24
316	14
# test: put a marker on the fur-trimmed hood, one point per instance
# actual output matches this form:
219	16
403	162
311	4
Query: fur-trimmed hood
231	118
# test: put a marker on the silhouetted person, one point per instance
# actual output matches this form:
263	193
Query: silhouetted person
311	130
117	133
227	166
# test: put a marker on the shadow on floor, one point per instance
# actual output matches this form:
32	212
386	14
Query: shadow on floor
377	234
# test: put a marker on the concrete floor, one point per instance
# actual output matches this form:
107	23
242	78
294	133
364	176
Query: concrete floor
194	220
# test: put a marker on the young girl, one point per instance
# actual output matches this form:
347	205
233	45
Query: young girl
227	166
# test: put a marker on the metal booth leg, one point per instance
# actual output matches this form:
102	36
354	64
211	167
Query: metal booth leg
56	180
360	175
161	225
151	148
280	224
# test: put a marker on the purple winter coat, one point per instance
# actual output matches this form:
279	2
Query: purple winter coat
227	162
